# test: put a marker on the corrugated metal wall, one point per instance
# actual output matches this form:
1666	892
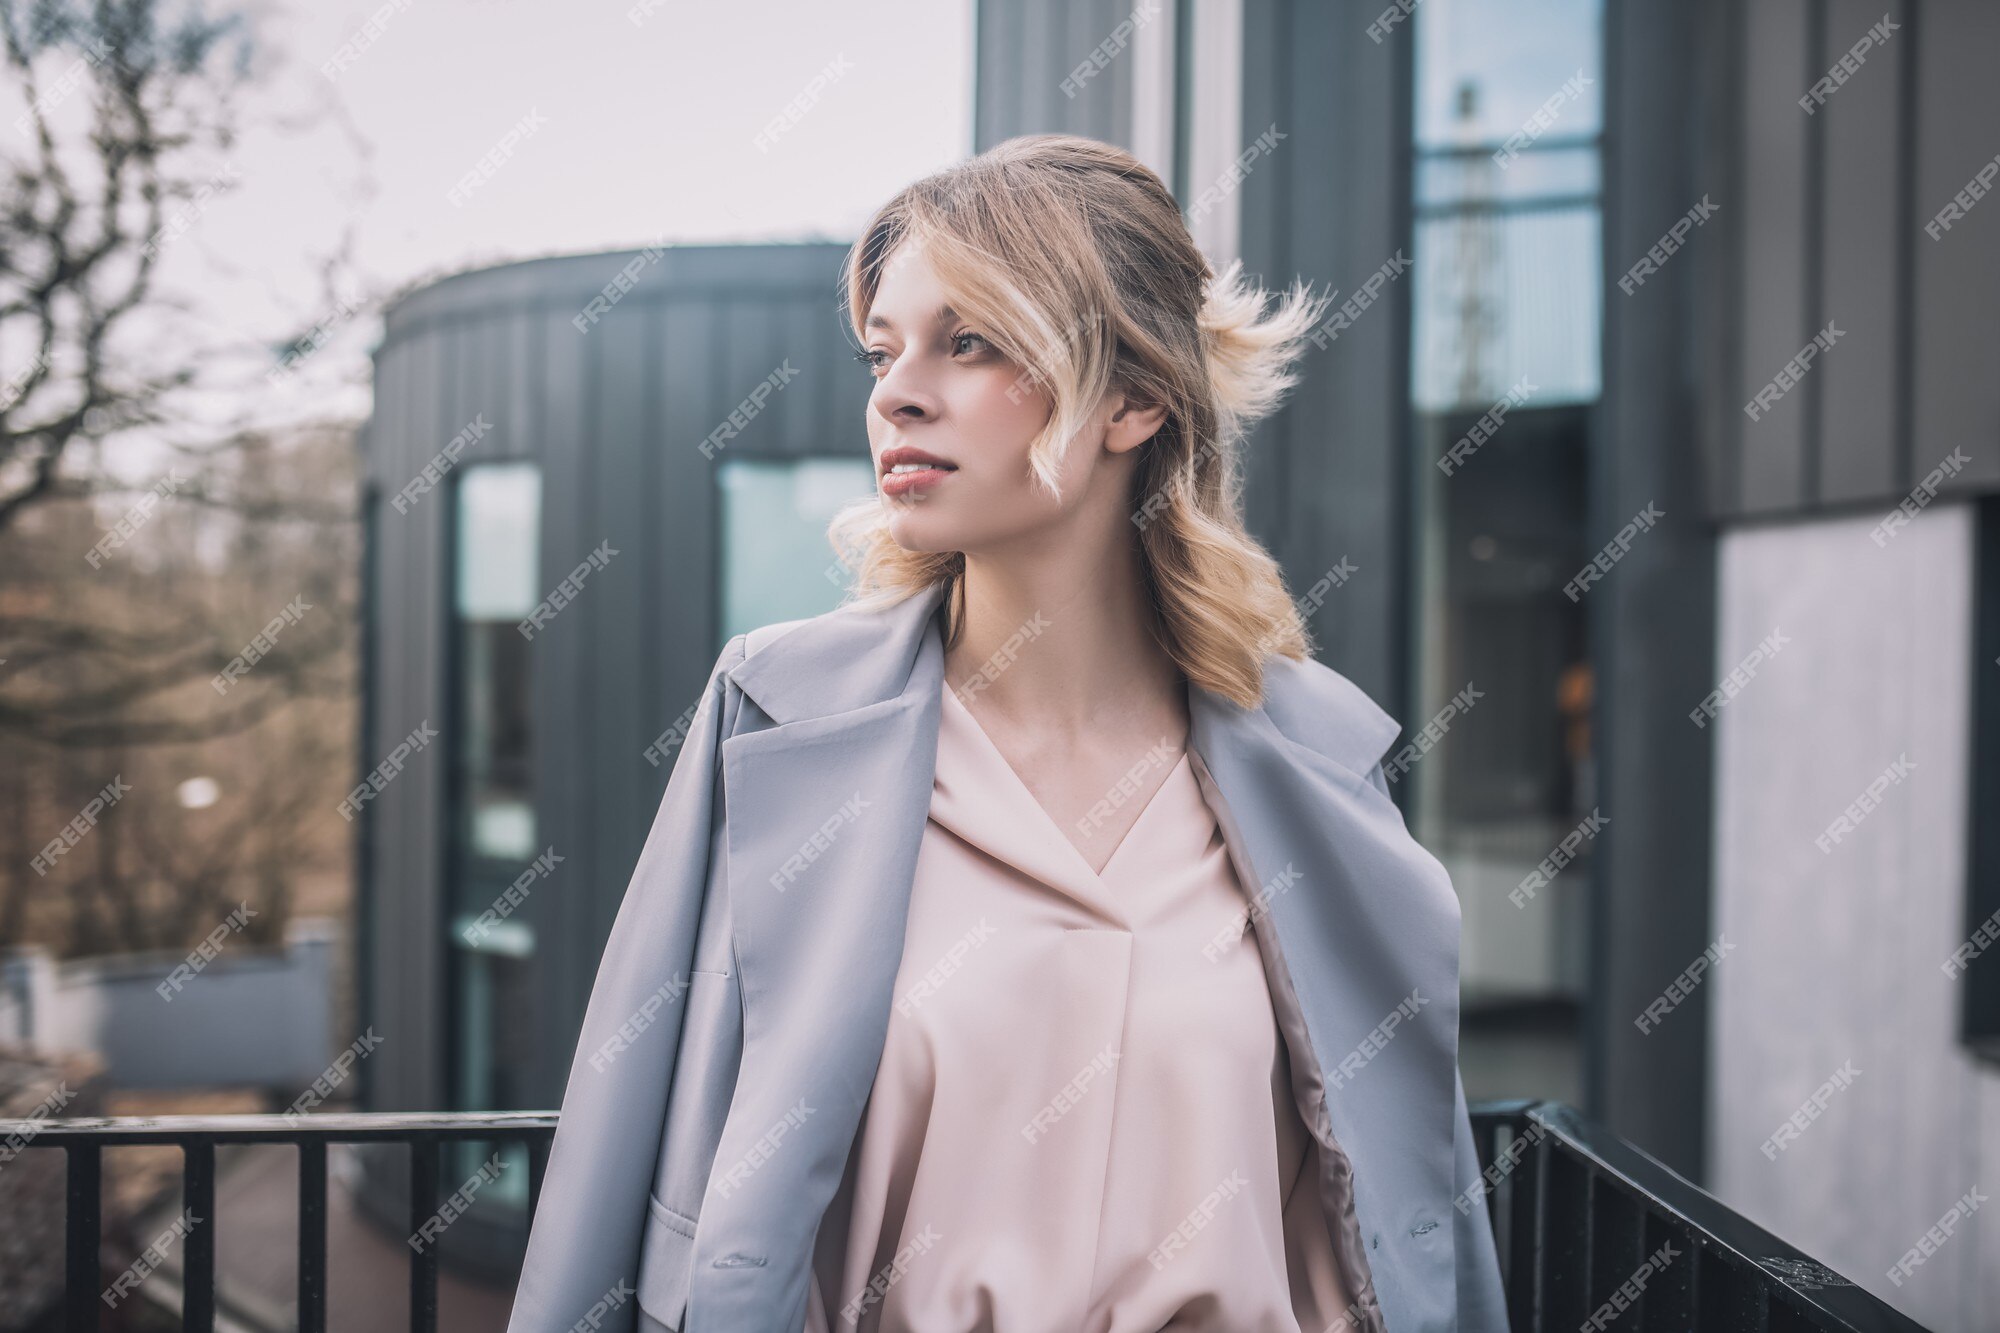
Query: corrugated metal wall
1036	76
1830	228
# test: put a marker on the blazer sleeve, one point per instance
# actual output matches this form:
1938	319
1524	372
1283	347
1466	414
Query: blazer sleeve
1482	1301
583	1245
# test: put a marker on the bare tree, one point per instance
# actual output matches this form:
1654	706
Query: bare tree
85	216
82	222
147	649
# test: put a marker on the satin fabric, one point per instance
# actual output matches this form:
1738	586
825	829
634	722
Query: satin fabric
1082	1117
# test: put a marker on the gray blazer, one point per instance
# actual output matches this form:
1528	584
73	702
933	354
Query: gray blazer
740	1009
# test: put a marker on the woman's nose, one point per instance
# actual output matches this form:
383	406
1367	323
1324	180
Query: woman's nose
899	396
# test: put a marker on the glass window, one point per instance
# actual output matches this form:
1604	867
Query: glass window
776	563
1506	312
495	577
499	508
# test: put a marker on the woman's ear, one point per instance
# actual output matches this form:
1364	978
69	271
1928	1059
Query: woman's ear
1132	424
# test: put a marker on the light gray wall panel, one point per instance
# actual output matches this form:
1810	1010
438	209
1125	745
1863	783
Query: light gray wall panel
1837	956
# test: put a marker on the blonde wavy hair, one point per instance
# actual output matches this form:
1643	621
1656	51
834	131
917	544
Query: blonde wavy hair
1073	258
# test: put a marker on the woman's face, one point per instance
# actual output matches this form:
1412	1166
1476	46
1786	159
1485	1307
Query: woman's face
944	395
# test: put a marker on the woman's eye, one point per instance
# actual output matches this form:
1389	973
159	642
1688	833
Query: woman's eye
963	337
868	358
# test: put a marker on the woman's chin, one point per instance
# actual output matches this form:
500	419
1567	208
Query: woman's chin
915	530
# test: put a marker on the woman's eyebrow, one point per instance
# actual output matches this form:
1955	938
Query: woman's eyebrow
945	314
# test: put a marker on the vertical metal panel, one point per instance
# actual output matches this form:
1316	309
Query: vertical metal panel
1325	474
1346	476
514	331
1653	625
1652	635
760	344
1862	215
608	617
827	414
1838	221
693	378
423	803
470	390
1957	325
1212	110
566	787
1265	241
408	812
1025	51
996	46
1771	467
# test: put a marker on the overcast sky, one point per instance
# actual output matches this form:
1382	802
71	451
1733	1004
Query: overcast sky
641	129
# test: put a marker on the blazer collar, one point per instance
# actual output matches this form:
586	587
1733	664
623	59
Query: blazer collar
861	655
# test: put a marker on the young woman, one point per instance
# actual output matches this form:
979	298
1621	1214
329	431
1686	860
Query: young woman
1031	944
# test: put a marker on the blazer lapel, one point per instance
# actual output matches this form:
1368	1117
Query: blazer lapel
826	788
1366	926
825	802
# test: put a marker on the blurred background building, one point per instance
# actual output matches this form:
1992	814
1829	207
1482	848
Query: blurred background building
1508	167
1730	611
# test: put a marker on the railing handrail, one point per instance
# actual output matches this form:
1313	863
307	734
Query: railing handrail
1724	1236
259	1127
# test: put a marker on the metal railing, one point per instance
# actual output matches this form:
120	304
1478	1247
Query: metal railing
1583	1219
1580	1218
198	1136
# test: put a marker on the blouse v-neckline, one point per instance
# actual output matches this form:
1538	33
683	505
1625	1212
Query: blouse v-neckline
1007	783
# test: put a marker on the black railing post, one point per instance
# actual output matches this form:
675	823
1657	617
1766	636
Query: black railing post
83	1277
423	1265
312	1236
198	1246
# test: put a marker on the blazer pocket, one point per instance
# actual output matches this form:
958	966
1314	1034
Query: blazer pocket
666	1263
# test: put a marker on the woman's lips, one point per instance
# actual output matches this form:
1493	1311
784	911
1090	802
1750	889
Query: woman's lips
904	484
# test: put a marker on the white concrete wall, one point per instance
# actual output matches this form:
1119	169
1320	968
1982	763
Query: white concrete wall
1838	955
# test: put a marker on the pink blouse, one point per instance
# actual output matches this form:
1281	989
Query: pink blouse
1082	1120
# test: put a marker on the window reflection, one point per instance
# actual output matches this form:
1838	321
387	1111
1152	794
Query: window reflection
776	564
1506	310
495	576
